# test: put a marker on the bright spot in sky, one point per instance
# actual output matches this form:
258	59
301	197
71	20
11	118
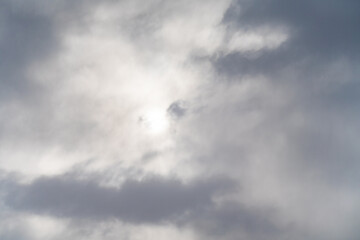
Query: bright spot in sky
155	121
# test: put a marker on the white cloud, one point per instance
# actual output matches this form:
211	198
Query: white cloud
254	40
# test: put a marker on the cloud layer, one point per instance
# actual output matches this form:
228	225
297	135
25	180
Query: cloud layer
182	120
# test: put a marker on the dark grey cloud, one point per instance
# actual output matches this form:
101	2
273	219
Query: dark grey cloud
151	200
177	109
14	236
320	32
232	220
318	27
26	36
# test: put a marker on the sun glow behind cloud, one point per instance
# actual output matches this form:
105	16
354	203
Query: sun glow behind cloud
155	121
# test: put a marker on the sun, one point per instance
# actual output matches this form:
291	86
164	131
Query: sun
155	121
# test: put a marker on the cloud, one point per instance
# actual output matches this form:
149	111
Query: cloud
316	27
265	93
26	36
318	33
315	66
177	109
150	200
93	45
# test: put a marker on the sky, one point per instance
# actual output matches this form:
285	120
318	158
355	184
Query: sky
182	120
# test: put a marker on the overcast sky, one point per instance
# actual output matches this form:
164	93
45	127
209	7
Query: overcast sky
181	120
